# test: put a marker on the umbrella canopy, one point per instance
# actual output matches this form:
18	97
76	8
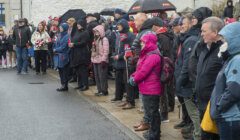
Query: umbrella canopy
75	13
110	11
151	6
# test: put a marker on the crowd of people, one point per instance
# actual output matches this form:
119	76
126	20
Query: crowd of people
193	57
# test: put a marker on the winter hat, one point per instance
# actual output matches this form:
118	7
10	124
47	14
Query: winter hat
157	21
201	13
97	16
124	24
82	22
118	11
64	26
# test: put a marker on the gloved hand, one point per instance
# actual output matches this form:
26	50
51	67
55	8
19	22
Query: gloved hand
131	81
104	64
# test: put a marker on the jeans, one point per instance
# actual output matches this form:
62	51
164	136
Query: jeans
228	130
22	59
151	107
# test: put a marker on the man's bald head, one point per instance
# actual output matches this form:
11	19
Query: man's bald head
140	18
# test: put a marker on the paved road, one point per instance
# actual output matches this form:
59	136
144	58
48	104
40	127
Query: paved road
37	112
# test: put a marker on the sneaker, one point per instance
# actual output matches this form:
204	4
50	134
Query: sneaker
24	73
165	121
100	94
4	66
164	117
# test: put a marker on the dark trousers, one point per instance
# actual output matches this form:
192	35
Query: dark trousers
228	130
185	116
82	75
151	107
41	60
63	73
164	101
120	83
171	94
206	135
131	91
100	74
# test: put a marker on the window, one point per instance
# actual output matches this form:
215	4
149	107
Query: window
2	14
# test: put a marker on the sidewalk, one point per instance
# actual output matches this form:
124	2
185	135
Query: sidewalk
129	117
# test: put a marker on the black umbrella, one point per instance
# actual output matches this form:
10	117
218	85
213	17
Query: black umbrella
151	6
75	13
110	11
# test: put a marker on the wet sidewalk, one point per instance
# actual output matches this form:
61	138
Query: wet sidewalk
131	117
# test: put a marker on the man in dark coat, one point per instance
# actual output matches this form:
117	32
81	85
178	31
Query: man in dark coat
126	39
22	37
184	87
228	11
165	41
209	65
79	53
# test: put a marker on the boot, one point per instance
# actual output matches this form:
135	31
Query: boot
143	127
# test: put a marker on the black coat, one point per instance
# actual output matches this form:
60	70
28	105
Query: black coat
22	36
184	86
208	67
79	54
166	41
90	27
4	43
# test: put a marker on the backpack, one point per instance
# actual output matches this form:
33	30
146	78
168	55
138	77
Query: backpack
167	66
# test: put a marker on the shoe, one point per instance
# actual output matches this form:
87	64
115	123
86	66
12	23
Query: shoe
164	117
84	88
115	100
18	73
24	73
62	89
180	125
122	104
128	106
136	126
143	127
37	73
44	73
187	136
100	94
72	81
187	129
78	87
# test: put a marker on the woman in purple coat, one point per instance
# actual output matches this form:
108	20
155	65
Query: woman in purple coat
147	77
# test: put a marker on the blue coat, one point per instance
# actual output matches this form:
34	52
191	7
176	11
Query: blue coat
225	99
61	49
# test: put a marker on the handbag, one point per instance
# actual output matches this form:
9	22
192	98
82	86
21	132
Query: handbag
208	124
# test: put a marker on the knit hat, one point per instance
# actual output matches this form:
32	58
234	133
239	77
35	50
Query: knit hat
201	13
157	21
82	22
118	11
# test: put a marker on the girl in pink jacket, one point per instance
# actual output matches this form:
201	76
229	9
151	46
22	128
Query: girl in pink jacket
147	77
99	58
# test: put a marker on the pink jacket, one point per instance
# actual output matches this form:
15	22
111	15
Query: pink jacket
148	72
100	49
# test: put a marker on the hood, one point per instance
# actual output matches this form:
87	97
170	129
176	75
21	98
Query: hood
202	13
65	28
150	41
229	3
100	29
231	34
147	25
124	24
